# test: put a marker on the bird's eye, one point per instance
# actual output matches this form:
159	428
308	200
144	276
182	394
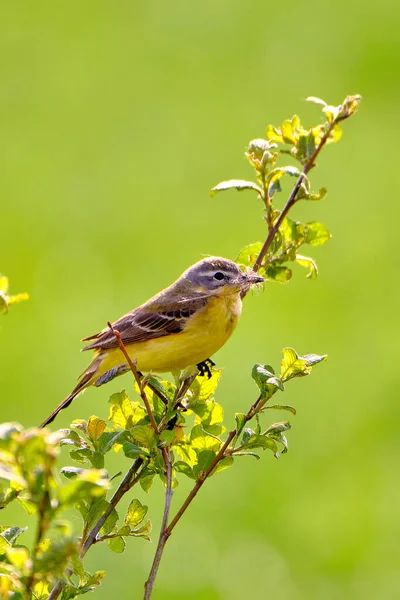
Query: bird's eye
219	276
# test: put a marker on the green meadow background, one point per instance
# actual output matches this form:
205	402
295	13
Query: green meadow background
116	118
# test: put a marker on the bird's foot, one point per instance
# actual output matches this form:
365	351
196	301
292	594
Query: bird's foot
204	367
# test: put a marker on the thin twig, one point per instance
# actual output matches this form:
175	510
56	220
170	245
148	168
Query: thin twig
137	378
126	484
203	476
164	535
292	198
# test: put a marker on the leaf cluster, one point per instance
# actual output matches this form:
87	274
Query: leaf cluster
303	145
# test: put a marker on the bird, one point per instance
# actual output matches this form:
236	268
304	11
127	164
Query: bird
181	326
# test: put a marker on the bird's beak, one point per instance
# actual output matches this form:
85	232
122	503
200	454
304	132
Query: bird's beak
251	278
254	278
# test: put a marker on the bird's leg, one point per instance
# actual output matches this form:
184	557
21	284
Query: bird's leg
204	367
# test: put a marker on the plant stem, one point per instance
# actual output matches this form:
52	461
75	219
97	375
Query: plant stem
272	231
164	534
137	378
205	474
126	484
130	479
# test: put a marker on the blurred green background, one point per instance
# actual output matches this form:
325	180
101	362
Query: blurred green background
116	119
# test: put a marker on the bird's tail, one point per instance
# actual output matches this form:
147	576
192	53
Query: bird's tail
85	380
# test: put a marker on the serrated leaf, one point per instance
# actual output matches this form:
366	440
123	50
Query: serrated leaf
116	544
135	513
237	184
316	234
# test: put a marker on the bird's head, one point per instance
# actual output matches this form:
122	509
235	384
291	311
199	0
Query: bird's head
220	276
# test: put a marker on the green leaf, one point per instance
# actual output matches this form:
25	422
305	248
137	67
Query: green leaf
90	483
281	407
146	482
314	359
240	422
124	413
201	441
182	467
132	451
266	380
95	428
248	255
308	263
223	464
259	441
315	196
8	536
135	513
142	531
108	439
96	510
293	365
237	184
71	472
316	100
204	460
145	435
204	388
247	433
27	505
316	234
168	436
116	544
277	273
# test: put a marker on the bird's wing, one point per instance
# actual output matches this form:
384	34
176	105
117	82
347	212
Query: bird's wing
145	324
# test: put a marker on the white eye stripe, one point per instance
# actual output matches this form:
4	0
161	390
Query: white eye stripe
212	272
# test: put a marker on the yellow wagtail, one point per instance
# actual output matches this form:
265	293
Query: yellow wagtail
181	326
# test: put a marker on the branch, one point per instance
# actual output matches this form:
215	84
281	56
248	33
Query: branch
126	484
205	474
272	231
137	378
164	535
130	479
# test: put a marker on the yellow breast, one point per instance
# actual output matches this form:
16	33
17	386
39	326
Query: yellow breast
205	333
